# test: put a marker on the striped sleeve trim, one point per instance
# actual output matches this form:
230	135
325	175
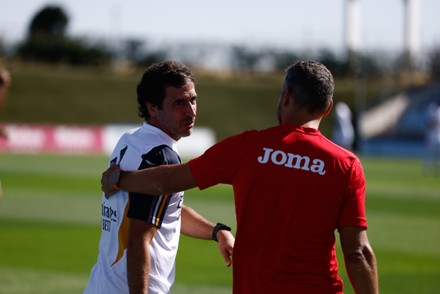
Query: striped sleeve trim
160	209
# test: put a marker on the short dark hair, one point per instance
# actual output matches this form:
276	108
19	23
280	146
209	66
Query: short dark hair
311	85
151	88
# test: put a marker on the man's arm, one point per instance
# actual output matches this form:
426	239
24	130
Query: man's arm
196	226
360	261
158	180
140	234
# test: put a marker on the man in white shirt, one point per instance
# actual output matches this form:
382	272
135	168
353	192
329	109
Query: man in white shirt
140	235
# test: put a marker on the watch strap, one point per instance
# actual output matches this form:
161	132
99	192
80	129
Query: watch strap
218	227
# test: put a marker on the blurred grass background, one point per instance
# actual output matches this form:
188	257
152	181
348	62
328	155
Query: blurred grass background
50	226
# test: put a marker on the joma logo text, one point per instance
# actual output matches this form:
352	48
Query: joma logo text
290	160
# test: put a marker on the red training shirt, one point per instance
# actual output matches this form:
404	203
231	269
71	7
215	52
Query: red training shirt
292	188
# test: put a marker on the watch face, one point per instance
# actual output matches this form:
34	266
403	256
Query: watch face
114	177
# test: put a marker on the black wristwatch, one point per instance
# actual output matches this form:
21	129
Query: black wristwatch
218	227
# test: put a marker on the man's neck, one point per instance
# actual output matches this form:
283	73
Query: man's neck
305	122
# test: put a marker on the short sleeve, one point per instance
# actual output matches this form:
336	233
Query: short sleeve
152	209
353	210
218	164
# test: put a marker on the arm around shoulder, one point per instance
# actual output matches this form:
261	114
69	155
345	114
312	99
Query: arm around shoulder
360	261
158	180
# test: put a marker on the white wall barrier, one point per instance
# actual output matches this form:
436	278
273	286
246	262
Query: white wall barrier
201	139
76	139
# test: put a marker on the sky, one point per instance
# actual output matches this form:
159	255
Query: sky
295	24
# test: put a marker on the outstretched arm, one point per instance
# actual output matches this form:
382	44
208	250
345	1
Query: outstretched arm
360	261
158	180
196	226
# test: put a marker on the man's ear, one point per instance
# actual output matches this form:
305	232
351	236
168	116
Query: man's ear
329	108
152	109
286	96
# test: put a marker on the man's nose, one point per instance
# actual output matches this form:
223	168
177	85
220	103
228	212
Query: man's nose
191	109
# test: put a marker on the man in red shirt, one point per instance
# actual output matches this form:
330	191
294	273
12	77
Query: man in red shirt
293	188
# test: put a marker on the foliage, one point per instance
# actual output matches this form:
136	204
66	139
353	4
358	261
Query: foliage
434	63
226	103
134	51
64	50
47	42
282	58
48	23
244	59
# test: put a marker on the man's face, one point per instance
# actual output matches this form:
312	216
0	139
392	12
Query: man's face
178	113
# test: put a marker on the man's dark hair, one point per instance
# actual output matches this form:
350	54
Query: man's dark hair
311	85
151	88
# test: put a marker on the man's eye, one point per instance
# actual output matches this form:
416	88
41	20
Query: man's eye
192	101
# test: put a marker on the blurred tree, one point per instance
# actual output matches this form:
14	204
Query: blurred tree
2	48
49	23
47	42
338	66
151	57
372	65
140	55
434	63
282	59
243	59
133	49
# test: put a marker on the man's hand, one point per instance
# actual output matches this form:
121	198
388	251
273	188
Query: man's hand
106	185
226	245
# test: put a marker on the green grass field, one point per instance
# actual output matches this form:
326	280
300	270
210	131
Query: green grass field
49	227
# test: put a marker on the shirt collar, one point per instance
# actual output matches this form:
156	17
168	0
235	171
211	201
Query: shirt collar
301	129
165	137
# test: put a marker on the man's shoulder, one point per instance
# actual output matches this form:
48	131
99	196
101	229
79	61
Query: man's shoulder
135	146
161	154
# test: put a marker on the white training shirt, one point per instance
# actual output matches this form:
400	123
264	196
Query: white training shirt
137	149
